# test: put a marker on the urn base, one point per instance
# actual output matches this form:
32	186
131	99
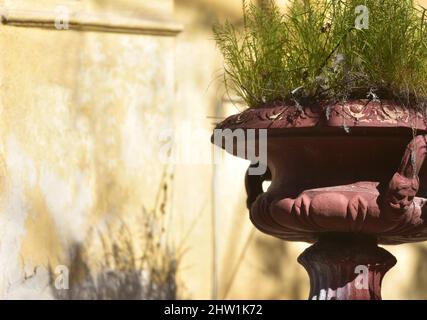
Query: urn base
346	267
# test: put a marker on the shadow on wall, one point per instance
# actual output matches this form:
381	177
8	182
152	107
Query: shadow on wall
208	12
131	259
279	266
115	283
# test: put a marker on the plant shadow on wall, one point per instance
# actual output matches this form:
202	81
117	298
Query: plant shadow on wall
131	260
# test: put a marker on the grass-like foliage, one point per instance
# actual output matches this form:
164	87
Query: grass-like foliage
314	50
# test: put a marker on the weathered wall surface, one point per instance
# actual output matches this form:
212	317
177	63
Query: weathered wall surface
80	112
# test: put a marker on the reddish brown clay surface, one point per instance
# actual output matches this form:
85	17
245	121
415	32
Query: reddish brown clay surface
352	168
357	113
344	267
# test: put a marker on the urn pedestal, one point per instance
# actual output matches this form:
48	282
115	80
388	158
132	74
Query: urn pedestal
346	267
345	177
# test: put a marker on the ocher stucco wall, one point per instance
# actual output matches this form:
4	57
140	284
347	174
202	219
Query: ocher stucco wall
78	135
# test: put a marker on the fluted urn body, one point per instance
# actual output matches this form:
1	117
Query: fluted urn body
346	176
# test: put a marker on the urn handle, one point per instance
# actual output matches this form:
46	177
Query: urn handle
404	185
253	185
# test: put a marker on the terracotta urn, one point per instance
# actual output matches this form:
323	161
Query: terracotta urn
345	177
